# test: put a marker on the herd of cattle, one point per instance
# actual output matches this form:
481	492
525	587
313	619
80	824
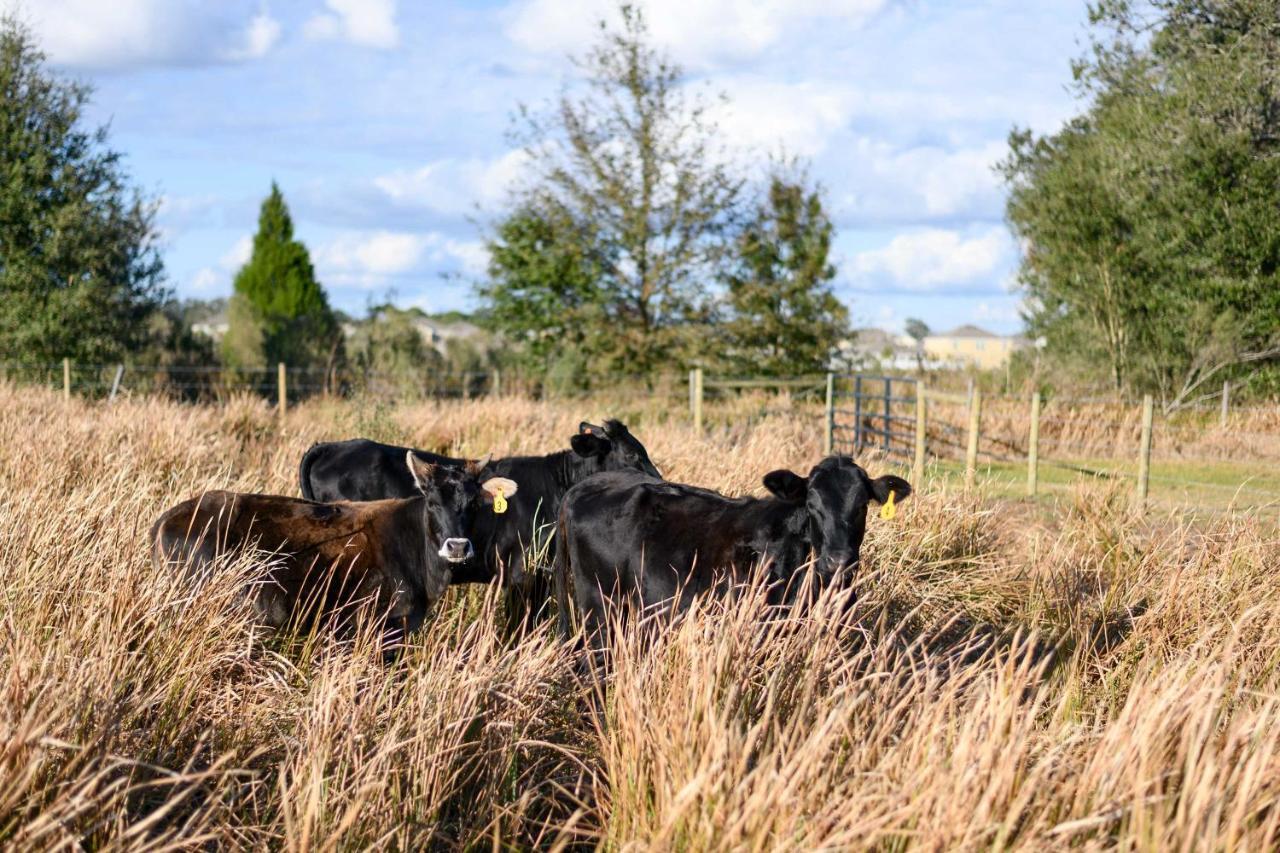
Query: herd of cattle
392	527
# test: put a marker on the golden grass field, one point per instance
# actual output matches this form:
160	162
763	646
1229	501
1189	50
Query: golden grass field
1014	676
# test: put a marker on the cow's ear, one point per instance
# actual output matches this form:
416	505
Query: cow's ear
586	428
495	486
787	485
421	471
588	445
475	466
881	486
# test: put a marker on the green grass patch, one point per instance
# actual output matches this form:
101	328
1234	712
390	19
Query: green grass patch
1212	486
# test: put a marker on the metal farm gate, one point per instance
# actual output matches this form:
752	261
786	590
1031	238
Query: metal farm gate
866	412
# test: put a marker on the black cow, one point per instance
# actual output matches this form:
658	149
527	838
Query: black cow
360	469
329	558
634	539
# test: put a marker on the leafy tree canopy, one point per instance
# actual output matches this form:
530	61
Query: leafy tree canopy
1150	222
80	274
632	198
916	329
784	318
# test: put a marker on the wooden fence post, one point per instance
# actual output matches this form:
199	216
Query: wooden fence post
971	453
888	422
692	384
695	397
1226	401
857	414
1033	446
115	384
828	443
497	382
282	387
917	467
1144	452
66	379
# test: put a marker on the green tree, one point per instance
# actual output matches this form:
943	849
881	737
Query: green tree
388	343
784	318
80	274
278	310
631	165
917	330
541	291
1151	228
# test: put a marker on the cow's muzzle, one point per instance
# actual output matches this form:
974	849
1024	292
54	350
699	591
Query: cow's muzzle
456	550
836	565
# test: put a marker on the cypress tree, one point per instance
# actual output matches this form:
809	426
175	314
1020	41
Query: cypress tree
278	311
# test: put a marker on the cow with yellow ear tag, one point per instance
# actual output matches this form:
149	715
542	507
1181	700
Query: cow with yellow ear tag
505	524
659	544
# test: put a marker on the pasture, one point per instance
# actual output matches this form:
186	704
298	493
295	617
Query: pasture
1013	675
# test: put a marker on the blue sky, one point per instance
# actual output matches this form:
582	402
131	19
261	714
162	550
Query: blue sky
385	122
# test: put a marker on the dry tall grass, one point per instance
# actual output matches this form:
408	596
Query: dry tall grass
1095	680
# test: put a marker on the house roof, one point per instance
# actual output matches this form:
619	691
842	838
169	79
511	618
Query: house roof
968	330
872	336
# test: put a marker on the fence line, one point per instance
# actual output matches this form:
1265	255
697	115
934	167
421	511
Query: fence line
1046	432
281	382
884	415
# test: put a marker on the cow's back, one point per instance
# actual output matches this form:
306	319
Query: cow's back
605	530
320	557
630	536
360	469
196	530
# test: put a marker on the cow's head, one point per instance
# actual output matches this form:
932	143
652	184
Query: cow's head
452	495
835	496
613	447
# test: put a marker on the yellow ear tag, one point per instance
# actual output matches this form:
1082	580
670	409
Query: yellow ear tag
888	511
499	502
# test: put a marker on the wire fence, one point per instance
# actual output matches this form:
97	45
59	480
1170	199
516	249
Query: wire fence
1204	455
1231	452
210	383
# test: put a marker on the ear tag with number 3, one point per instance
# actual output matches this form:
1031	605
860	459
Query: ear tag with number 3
499	502
888	510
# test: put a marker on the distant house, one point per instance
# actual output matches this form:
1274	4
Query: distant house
872	347
436	333
439	333
971	346
214	329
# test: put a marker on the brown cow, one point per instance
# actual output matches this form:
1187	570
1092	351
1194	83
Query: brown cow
397	555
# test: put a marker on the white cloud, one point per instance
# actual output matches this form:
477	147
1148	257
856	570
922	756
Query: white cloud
699	32
933	259
238	255
259	37
455	186
765	114
380	253
917	184
213	281
1004	312
371	23
123	33
206	282
471	255
947	180
370	259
